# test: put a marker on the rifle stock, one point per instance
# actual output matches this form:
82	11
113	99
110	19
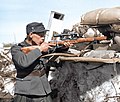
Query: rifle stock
79	40
26	49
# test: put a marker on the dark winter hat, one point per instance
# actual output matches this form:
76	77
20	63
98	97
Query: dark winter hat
35	27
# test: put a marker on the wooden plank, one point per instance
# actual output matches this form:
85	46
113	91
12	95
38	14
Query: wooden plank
89	59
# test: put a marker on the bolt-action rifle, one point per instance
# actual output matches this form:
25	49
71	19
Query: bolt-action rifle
78	40
73	41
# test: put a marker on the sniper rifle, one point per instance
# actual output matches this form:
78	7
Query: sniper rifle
74	41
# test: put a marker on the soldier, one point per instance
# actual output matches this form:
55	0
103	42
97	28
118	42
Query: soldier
31	81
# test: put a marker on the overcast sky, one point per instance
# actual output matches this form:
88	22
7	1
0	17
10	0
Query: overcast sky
16	14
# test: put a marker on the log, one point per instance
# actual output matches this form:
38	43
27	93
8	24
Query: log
89	59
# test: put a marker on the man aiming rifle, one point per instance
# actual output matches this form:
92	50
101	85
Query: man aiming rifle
31	81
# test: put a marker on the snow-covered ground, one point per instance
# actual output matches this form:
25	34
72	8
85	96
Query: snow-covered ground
109	91
7	71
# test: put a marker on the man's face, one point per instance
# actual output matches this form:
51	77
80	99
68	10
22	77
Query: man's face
38	38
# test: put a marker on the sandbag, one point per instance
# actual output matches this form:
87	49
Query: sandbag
101	16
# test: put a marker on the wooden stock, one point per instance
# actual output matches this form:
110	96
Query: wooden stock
79	40
26	49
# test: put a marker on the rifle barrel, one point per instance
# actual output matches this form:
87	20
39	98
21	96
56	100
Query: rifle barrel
79	40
